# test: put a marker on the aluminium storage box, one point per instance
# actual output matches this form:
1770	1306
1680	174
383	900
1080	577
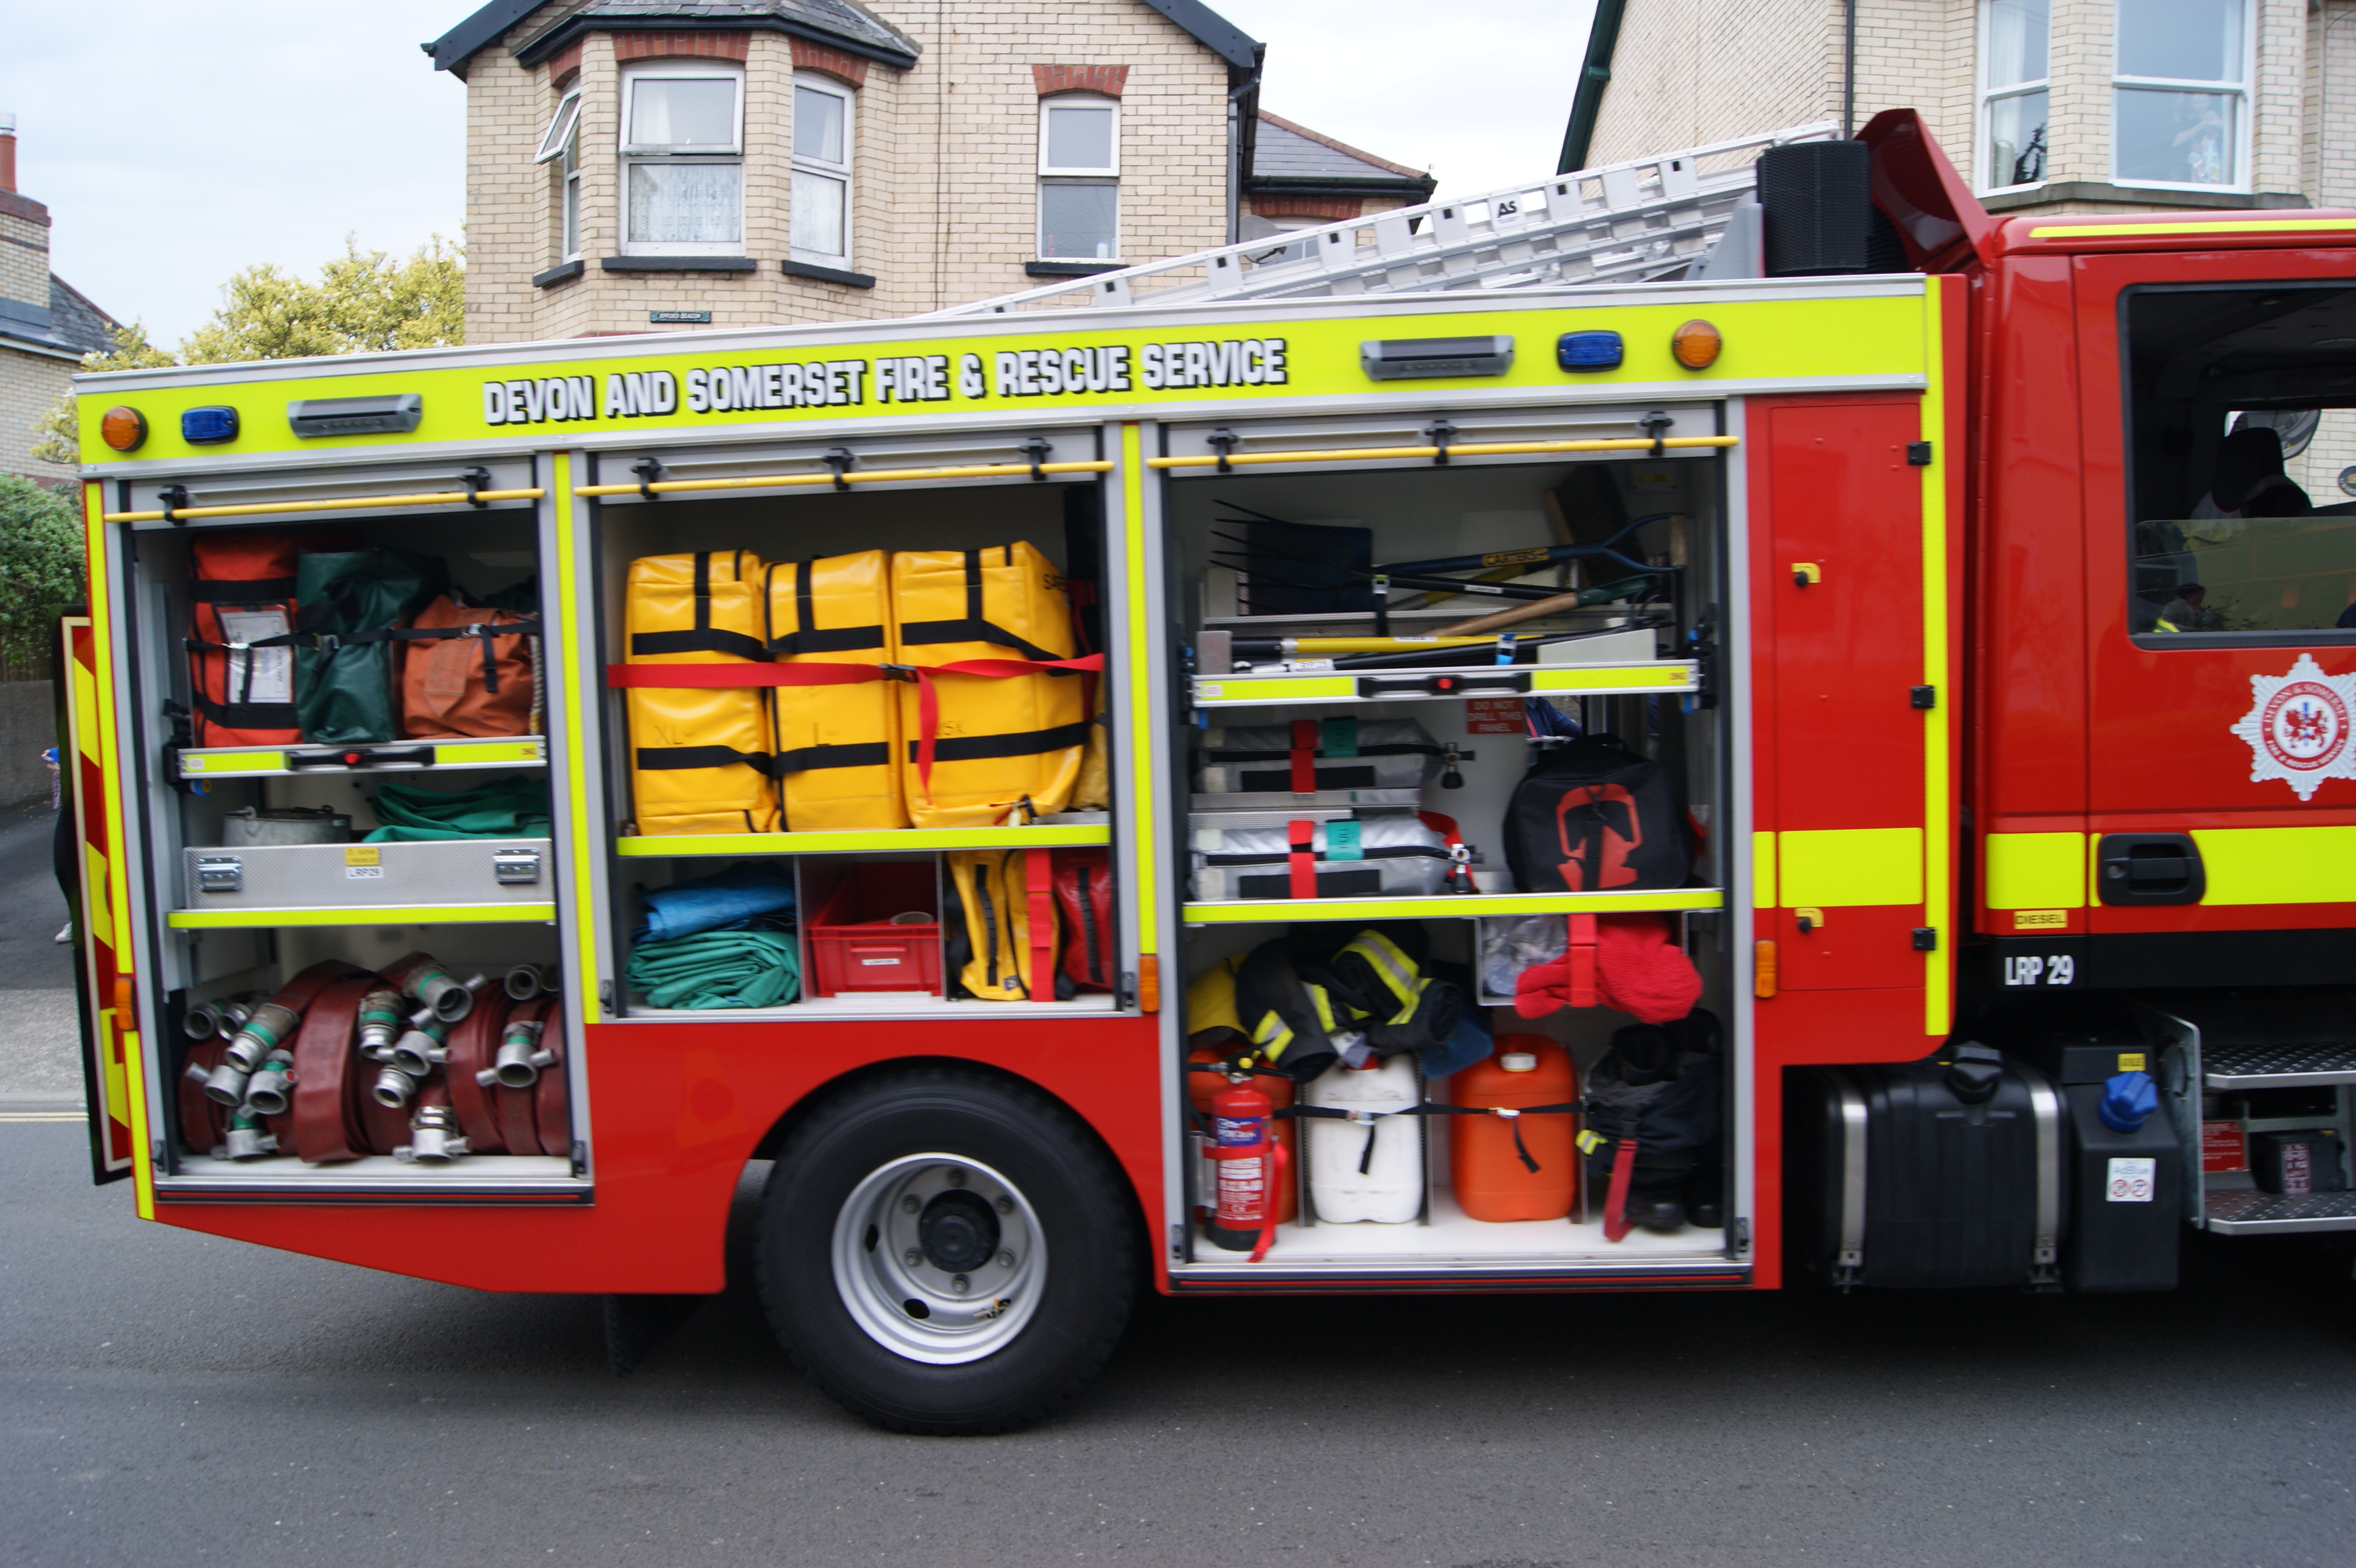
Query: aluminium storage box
348	876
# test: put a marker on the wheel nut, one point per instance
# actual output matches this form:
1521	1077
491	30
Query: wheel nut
1005	1260
960	1284
956	1178
909	1205
1005	1205
914	1258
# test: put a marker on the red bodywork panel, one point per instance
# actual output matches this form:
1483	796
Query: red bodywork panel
676	1110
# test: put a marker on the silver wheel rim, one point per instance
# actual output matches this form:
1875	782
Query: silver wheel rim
902	1294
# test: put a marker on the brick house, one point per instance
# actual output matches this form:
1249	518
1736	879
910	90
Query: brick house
46	326
2045	105
632	162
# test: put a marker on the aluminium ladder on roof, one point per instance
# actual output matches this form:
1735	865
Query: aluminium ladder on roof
1626	222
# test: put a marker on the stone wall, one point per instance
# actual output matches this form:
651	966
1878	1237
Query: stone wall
28	726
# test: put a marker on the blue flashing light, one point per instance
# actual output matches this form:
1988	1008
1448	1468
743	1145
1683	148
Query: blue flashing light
1588	351
209	426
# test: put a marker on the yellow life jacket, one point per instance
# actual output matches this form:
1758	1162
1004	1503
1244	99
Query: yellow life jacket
1211	1002
699	757
835	766
998	740
1009	901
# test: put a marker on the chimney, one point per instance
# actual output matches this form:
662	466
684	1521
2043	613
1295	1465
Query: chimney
7	149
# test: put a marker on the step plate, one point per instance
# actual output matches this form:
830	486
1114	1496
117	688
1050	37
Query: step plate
2254	1213
2277	1066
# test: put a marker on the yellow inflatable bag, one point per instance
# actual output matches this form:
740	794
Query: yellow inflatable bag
1010	922
998	741
835	766
699	757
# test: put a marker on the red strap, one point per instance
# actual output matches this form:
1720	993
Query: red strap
1304	758
1582	956
1268	1195
683	677
1615	1206
1039	883
1301	862
1445	826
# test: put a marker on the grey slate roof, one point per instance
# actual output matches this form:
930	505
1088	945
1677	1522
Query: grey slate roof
1297	155
76	322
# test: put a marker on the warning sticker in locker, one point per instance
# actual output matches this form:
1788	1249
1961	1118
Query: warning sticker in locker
1495	716
2223	1146
363	862
2131	1180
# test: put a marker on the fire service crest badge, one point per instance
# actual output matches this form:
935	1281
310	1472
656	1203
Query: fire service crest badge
2297	727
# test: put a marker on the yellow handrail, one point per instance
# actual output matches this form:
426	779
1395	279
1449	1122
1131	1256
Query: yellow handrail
260	509
849	476
1468	449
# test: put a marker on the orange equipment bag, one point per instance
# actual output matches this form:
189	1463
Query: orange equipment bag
701	754
835	742
468	670
241	652
1000	736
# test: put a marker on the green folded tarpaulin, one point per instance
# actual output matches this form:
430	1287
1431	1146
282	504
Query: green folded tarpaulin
508	809
718	969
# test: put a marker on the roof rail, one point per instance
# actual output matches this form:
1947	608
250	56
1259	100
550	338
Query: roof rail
1626	222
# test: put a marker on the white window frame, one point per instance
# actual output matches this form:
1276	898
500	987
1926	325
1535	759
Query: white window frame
1989	97
561	145
1056	174
819	82
631	155
2242	92
1076	100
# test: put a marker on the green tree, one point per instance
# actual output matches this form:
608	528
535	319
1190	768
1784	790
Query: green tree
363	302
41	562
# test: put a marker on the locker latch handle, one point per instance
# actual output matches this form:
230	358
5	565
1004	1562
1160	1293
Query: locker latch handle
1804	572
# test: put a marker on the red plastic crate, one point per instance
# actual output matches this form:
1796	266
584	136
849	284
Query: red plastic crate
854	944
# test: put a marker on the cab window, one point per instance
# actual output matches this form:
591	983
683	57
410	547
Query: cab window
2242	462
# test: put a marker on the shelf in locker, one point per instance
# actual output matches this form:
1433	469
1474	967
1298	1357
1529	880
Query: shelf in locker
2277	1066
382	757
2246	1211
362	915
877	840
1299	688
1450	905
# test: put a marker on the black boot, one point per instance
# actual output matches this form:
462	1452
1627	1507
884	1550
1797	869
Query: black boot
1656	1208
1705	1192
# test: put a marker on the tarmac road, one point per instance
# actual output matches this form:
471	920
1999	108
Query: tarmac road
168	1398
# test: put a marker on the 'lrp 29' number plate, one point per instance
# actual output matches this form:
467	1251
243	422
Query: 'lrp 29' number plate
2038	969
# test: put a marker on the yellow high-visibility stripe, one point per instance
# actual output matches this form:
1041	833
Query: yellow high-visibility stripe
2278	865
1937	1004
1039	836
272	509
1850	866
2245	226
204	763
362	915
1446	907
1468	449
1762	871
1139	730
110	921
1343	685
483	753
564	653
2036	871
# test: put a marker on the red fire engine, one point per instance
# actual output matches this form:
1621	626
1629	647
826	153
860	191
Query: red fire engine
1687	728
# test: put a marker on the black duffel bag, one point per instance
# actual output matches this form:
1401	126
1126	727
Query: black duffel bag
1592	816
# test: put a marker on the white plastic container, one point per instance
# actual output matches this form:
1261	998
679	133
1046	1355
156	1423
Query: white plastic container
1389	1191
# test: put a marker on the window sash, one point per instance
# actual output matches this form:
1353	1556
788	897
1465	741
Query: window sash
649	209
2234	147
1071	233
558	134
1993	176
821	195
634	80
1048	107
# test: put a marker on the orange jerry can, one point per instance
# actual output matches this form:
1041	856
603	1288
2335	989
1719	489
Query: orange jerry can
1485	1165
1280	1092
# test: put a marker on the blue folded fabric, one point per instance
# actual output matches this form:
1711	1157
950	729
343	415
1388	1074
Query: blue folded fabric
1471	1043
685	908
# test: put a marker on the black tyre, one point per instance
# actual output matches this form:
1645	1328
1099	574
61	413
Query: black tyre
946	1252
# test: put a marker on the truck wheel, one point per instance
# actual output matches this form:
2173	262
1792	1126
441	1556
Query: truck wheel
948	1252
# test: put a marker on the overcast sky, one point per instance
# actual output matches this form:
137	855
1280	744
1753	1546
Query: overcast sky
176	142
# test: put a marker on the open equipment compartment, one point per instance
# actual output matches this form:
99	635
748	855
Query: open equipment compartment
329	878
982	497
1642	660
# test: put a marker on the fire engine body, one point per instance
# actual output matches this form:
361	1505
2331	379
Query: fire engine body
1905	671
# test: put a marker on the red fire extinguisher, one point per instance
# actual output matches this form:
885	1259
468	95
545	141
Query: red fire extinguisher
1251	1169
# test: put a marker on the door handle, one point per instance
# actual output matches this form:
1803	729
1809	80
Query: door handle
2149	868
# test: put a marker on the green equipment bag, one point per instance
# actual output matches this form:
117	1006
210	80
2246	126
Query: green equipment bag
345	689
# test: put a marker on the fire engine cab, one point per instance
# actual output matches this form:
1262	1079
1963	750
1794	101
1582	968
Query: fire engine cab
1714	721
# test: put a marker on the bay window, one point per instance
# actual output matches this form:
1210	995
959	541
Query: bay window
2014	35
2179	92
823	129
561	146
682	155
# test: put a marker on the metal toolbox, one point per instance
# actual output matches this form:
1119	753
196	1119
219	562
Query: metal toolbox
332	876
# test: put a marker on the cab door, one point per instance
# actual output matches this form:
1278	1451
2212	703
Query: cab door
2221	762
1841	703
